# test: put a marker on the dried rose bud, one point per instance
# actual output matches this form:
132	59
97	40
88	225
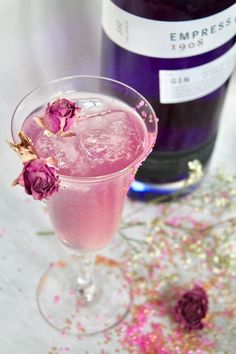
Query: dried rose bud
60	115
39	179
191	308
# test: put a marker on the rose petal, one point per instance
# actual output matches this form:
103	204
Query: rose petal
39	179
60	115
192	308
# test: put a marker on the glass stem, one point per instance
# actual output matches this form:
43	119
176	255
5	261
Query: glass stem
85	284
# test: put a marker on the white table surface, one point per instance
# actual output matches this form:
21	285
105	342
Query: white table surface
40	41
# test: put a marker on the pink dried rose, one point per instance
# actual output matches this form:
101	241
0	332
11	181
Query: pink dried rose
191	308
60	115
39	179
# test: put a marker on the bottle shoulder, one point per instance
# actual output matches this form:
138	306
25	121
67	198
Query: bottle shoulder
173	10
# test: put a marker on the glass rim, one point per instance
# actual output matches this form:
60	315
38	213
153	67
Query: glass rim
93	179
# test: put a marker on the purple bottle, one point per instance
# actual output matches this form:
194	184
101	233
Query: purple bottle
180	55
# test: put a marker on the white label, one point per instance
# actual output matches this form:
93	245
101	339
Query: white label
167	39
190	84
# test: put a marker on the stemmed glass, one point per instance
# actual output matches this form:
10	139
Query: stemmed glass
85	214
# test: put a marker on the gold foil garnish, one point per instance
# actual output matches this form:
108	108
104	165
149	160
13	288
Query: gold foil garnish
67	134
14	183
51	161
25	149
195	172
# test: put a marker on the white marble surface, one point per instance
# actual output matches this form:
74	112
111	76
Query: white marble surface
40	41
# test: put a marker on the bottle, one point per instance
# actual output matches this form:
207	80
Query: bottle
180	55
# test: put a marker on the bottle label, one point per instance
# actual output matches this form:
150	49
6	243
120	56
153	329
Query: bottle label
189	84
167	39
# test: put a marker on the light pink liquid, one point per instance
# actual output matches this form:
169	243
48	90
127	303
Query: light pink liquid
110	136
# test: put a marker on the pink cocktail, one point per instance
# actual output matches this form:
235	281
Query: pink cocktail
115	131
109	137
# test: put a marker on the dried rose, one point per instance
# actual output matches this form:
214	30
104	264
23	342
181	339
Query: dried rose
39	179
192	308
60	115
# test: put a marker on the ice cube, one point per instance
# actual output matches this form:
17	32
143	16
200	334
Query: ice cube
66	154
90	105
107	138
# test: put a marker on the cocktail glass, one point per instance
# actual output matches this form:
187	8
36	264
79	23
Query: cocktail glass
85	214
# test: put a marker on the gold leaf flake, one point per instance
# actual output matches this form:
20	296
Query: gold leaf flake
67	134
51	161
25	149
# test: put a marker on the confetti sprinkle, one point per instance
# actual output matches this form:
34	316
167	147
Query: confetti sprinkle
189	240
59	350
56	299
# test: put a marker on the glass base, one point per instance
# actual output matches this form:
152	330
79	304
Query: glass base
61	305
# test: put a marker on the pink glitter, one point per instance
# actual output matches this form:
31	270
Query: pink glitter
71	293
64	333
144	114
56	299
141	103
136	337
